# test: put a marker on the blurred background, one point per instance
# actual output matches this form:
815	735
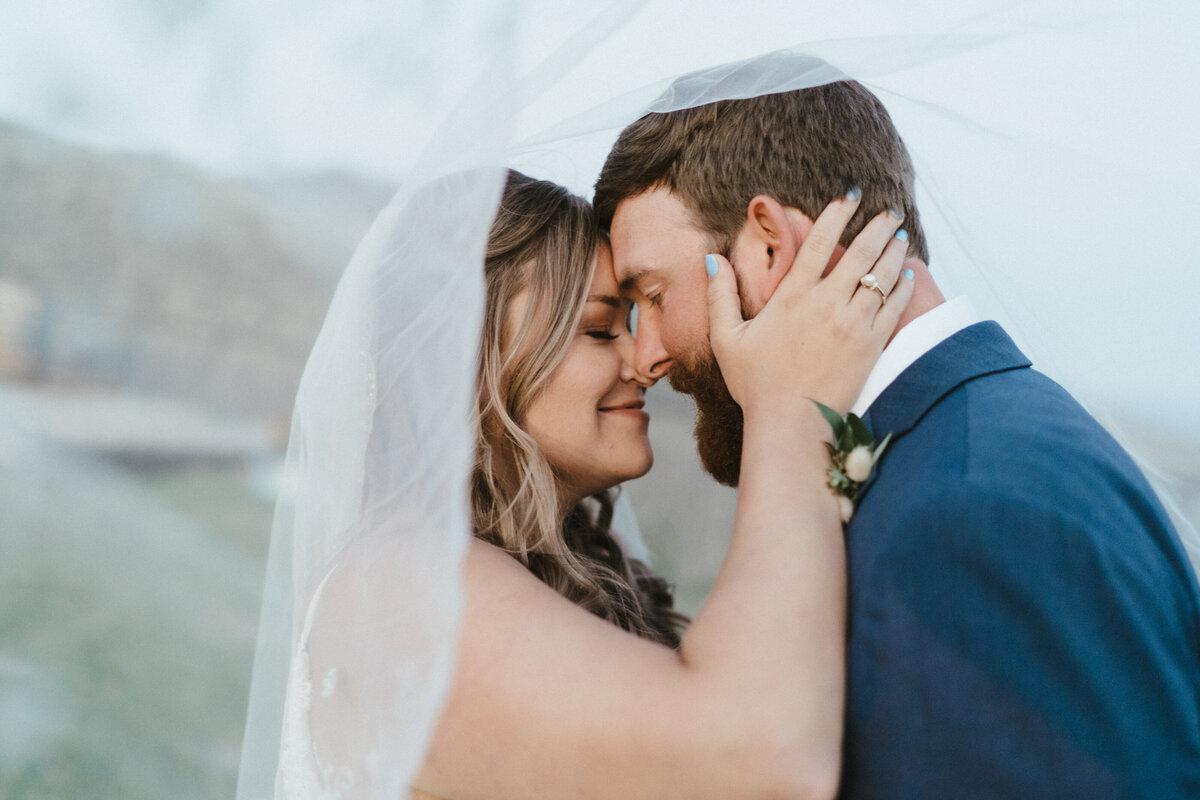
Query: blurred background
181	185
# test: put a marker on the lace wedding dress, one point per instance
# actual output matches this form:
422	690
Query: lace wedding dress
299	765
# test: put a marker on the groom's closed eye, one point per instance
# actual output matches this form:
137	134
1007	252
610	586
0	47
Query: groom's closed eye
653	293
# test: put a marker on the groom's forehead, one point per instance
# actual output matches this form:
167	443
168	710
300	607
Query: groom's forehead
651	233
657	207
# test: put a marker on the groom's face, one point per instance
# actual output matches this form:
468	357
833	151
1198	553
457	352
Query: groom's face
658	254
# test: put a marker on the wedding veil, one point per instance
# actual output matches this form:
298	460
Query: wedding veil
1058	183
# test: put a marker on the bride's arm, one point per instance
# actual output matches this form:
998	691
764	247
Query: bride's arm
783	581
550	701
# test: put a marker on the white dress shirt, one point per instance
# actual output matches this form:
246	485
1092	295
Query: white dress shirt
913	341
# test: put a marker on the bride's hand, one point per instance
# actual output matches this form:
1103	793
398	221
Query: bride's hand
816	337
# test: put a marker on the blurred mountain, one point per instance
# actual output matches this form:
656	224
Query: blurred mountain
152	276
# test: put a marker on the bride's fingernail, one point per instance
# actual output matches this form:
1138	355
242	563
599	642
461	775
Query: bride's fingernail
908	273
854	194
902	235
710	264
896	212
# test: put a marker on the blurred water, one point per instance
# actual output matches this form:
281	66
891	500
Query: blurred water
127	626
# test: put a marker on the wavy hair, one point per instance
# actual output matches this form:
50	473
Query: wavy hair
543	243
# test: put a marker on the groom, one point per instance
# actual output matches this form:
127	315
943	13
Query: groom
1023	620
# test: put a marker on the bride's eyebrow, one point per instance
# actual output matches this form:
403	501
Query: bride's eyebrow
607	299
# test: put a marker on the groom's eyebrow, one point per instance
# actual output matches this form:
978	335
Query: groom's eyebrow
631	281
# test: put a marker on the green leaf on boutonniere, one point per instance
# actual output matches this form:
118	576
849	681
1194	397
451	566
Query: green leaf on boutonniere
852	452
880	448
862	435
832	417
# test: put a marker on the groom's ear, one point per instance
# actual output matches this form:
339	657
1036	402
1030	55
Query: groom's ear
765	248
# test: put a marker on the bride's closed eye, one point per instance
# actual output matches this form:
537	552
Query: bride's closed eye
599	322
605	317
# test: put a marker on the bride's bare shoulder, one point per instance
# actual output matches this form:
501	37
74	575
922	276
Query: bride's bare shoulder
485	555
490	571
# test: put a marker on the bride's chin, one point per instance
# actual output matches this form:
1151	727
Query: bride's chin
633	469
643	466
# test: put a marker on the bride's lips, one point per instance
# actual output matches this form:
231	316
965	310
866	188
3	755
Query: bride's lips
634	407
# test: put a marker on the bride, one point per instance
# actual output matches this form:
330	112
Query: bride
572	677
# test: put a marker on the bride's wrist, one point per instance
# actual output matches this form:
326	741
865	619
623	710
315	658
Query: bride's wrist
798	421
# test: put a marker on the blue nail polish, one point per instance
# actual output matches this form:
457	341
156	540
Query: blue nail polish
902	235
908	273
710	264
854	194
897	213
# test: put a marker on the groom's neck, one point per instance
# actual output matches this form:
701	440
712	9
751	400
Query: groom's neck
926	294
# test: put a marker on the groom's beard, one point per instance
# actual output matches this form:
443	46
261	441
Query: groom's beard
718	417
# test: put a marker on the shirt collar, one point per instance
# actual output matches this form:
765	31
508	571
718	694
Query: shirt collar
912	341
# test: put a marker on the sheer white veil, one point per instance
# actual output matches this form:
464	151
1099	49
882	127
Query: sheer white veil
1058	183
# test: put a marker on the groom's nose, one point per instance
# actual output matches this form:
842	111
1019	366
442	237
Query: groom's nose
627	347
651	358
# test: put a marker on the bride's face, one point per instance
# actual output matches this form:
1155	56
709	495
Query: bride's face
589	418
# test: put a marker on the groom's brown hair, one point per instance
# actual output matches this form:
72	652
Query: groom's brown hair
804	148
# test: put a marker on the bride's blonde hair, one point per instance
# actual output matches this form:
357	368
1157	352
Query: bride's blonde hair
543	242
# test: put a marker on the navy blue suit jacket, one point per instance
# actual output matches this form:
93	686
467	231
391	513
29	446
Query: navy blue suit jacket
1023	619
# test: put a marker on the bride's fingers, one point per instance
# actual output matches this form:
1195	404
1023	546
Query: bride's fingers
813	256
863	253
889	314
724	303
884	272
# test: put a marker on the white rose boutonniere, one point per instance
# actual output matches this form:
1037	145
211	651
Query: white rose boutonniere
853	454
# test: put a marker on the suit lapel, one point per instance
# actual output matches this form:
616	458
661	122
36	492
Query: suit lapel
981	349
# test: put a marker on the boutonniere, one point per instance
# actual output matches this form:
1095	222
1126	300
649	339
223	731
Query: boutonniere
852	454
